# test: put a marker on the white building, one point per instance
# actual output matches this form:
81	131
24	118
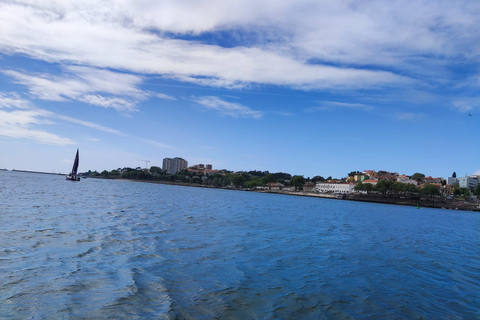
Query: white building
451	181
343	188
406	180
468	182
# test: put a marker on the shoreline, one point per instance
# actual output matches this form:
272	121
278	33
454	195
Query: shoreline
393	199
438	203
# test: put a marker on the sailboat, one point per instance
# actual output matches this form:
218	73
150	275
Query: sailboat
72	176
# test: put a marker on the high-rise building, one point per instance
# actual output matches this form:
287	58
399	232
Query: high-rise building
167	165
174	165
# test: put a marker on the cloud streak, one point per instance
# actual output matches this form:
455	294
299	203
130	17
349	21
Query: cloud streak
231	109
330	105
18	119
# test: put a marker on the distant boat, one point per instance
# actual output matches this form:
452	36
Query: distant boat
73	175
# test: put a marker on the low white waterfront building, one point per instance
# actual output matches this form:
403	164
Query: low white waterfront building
344	188
468	182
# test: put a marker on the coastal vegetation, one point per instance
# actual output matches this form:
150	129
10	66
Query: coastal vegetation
221	178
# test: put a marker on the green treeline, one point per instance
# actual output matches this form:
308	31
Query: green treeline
223	178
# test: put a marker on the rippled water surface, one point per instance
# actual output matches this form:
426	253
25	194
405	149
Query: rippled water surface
98	249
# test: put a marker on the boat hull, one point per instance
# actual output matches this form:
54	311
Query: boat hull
72	178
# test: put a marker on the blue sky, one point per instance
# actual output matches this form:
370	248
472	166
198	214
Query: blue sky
304	87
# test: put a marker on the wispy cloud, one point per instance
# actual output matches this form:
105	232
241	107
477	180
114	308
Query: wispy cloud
235	110
330	105
407	116
285	114
18	124
12	100
158	144
85	85
87	124
466	104
18	120
163	96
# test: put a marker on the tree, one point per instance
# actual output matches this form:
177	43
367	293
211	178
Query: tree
399	187
410	188
368	187
253	183
268	179
477	191
297	182
384	186
155	169
430	190
457	191
359	186
418	176
238	180
318	178
454	174
114	173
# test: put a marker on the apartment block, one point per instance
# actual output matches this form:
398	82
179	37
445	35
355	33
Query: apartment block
174	165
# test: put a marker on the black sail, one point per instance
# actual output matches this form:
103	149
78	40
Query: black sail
75	165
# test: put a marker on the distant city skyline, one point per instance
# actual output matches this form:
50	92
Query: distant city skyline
306	87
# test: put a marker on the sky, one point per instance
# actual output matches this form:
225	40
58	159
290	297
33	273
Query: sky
307	87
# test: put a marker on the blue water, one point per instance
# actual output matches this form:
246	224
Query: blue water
100	249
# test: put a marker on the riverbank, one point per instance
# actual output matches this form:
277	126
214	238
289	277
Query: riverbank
415	200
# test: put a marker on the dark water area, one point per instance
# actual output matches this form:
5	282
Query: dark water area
100	249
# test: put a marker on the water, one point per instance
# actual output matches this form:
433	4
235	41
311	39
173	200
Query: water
99	249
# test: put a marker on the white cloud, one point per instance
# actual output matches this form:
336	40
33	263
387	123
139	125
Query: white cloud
20	115
465	105
163	96
116	35
13	100
231	109
80	83
18	118
107	102
17	124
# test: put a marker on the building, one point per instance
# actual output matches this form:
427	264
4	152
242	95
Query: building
325	187
309	186
385	175
468	182
174	165
405	179
167	165
451	181
372	182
